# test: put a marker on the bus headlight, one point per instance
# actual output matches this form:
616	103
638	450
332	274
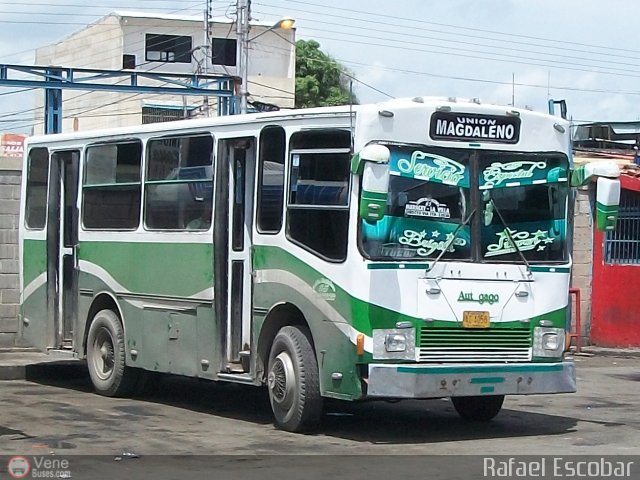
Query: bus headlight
396	343
548	342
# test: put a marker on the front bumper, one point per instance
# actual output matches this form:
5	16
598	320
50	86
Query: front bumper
453	380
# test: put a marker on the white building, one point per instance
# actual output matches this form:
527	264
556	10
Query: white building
166	44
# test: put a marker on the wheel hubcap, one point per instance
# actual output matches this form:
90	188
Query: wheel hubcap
103	355
282	381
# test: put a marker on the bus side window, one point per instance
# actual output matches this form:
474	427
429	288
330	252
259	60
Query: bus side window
179	183
36	194
112	186
318	200
271	179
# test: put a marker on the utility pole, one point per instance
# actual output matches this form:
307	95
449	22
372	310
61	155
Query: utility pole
243	15
206	50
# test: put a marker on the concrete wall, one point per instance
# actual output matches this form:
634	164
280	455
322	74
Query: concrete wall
583	257
10	176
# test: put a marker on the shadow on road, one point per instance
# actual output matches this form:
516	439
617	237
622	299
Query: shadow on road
378	422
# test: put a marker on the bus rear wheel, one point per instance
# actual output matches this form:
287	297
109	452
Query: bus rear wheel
480	409
106	357
293	381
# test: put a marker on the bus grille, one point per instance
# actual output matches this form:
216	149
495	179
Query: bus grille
466	345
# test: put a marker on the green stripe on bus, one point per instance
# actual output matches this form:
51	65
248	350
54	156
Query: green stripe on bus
487	390
551	269
397	266
488	380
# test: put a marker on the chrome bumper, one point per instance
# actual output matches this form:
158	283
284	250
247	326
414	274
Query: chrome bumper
433	381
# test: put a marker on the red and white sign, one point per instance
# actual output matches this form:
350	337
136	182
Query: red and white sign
12	145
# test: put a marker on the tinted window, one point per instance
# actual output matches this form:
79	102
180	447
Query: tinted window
271	179
36	195
224	51
318	196
167	48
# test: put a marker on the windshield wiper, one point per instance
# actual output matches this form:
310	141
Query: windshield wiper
451	240
508	232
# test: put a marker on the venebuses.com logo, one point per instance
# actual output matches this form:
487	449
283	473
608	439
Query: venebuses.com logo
18	467
38	467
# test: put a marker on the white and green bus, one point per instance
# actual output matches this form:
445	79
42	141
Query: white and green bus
417	248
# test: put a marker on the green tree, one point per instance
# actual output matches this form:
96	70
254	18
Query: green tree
320	80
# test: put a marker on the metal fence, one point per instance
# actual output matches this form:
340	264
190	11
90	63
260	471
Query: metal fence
622	246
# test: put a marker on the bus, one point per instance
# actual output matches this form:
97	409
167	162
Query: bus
417	248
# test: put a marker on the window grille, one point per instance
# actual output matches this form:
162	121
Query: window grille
156	114
622	246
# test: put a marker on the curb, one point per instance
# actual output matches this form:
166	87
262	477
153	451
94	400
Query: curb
610	352
27	364
13	372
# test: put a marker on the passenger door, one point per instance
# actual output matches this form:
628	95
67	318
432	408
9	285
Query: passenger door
232	249
62	241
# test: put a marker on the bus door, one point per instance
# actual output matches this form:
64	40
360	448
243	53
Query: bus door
62	241
232	249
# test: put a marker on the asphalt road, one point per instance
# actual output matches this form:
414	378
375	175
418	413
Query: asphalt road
56	413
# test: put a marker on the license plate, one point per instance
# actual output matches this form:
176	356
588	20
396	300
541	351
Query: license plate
475	319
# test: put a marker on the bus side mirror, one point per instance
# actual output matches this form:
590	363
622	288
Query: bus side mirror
607	203
374	161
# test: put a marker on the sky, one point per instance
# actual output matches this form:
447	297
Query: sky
521	52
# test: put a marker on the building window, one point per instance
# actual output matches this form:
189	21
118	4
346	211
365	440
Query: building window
112	186
179	183
318	200
223	52
128	62
622	246
36	194
158	114
167	48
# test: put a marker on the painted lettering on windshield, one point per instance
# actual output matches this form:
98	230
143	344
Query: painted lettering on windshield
426	244
497	172
525	241
430	167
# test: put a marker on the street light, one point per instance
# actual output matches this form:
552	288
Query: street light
242	31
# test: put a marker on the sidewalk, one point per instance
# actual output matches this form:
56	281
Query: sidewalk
593	350
23	363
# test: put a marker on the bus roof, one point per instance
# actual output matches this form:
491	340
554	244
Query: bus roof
430	103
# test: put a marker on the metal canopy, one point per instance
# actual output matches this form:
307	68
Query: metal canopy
54	79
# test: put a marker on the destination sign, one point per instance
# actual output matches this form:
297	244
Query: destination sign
471	127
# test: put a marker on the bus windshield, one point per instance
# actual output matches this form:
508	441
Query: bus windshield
429	199
519	198
526	194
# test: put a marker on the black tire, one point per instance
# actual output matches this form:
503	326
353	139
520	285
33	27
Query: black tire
479	409
293	381
106	357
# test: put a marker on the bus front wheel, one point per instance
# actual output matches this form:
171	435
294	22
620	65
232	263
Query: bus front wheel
106	357
293	381
480	408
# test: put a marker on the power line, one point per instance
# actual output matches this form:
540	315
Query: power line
517	59
424	21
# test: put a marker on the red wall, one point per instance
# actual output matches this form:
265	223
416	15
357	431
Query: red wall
615	305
